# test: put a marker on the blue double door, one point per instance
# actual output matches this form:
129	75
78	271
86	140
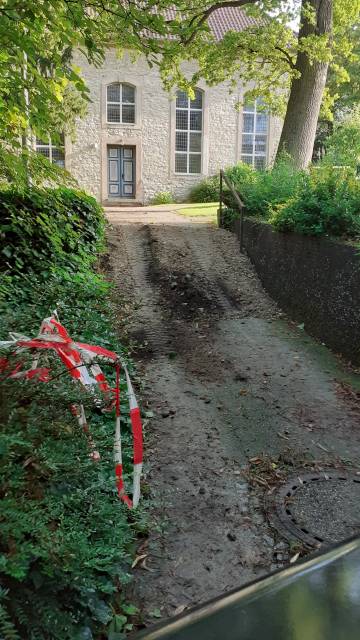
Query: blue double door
121	172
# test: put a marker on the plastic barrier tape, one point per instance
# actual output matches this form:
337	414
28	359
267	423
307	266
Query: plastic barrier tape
78	359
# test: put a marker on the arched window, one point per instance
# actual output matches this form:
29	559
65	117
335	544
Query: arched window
189	126
120	103
254	135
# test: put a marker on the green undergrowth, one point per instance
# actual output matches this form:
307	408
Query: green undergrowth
66	540
324	201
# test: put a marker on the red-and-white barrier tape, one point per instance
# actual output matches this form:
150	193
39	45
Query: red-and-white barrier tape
79	358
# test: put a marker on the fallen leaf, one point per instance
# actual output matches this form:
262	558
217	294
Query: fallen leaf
180	609
137	560
322	447
144	566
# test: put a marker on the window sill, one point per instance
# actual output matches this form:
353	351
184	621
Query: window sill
121	125
189	175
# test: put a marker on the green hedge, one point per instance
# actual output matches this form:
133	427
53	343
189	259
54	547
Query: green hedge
66	541
261	190
323	201
41	229
207	190
328	202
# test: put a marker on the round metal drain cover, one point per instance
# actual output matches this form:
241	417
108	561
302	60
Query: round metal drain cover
318	509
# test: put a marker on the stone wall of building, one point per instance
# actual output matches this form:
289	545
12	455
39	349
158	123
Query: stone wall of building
153	134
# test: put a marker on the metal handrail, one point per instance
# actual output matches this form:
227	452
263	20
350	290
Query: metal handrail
239	202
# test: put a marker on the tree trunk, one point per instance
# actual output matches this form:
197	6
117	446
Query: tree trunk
299	130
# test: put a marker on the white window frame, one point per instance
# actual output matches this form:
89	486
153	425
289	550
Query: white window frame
188	131
255	154
50	146
120	103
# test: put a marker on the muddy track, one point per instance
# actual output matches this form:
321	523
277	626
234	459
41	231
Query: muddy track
227	379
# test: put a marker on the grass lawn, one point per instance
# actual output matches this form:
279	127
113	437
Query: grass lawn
203	210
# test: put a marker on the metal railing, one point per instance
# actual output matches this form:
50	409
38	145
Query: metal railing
238	202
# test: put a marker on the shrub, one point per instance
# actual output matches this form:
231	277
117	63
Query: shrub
207	190
343	145
163	197
228	216
261	190
44	228
66	540
328	202
243	177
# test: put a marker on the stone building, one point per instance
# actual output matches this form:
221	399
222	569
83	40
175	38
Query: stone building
137	140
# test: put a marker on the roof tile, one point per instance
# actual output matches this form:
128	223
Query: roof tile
229	19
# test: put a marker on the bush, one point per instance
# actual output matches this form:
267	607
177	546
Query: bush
328	202
207	190
228	216
343	145
66	539
163	197
261	190
44	228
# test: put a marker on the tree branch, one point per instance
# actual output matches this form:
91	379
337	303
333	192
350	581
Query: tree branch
207	13
287	56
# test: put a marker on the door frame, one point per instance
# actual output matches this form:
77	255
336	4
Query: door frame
121	159
121	141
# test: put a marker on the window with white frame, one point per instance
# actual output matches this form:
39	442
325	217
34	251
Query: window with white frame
254	135
120	103
55	153
188	132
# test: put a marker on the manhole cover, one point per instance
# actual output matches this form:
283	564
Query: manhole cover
318	509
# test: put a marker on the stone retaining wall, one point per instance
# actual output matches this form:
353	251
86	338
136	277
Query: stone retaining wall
315	280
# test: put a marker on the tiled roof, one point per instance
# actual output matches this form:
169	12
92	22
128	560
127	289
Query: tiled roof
220	21
229	19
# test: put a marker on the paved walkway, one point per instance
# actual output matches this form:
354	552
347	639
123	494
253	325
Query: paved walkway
159	214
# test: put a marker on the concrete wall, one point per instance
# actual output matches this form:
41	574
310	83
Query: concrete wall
153	134
315	280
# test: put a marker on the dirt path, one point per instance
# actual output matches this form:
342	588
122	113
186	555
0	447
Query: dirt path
228	379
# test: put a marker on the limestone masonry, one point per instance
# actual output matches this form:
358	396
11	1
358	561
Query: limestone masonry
152	136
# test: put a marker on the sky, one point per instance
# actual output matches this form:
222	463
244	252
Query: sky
290	5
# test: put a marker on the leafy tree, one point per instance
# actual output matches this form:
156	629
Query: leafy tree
280	63
323	34
343	87
37	40
343	145
344	78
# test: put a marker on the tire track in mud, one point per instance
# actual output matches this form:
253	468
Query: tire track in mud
223	378
195	487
